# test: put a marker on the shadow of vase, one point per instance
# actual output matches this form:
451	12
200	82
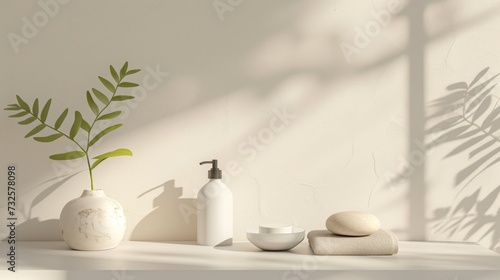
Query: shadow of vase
172	219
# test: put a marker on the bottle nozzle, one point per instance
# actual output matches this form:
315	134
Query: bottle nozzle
214	172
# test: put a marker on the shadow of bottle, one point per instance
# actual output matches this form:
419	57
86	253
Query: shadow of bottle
172	219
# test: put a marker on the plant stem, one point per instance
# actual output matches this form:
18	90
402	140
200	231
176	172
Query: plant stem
86	151
90	170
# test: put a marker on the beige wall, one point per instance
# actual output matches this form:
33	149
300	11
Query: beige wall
308	105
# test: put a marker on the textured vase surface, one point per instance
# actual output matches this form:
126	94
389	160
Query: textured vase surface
92	221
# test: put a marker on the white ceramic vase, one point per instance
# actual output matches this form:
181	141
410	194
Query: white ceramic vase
92	222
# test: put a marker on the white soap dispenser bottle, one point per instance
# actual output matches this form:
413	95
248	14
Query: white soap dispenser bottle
215	210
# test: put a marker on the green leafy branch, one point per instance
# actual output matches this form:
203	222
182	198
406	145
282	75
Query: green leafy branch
79	125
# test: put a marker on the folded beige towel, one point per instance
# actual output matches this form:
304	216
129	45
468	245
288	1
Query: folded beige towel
382	242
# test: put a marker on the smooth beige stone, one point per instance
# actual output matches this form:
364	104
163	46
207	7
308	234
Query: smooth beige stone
353	223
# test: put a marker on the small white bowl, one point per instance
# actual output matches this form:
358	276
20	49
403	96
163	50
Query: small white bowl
275	241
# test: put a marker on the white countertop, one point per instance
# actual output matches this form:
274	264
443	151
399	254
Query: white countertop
134	255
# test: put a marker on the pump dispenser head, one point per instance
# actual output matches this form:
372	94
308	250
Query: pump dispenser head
214	173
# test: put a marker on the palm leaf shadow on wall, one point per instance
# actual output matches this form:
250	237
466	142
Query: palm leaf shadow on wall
471	124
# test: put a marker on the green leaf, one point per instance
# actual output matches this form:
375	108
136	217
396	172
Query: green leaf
127	84
133	71
20	114
114	74
76	125
115	153
61	118
23	104
109	116
101	96
85	125
13	107
49	138
124	69
122	97
102	133
35	130
68	155
96	163
107	84
27	121
45	110
92	104
35	107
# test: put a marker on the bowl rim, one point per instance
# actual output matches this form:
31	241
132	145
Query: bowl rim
255	230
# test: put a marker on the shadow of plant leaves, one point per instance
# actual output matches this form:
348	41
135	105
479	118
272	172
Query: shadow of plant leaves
465	123
471	119
57	182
